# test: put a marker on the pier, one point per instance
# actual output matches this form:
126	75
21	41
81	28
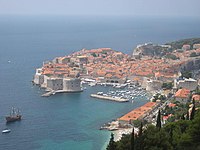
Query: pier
117	99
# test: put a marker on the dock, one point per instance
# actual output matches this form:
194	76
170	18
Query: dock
117	99
52	92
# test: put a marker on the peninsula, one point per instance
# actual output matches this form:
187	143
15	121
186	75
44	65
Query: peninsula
150	66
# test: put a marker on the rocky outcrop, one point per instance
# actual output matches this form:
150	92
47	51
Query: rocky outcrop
149	49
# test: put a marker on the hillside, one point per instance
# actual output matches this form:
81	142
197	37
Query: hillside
178	44
149	49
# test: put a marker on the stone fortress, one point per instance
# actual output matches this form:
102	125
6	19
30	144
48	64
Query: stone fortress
59	84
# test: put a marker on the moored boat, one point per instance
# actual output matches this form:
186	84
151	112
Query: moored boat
14	116
6	130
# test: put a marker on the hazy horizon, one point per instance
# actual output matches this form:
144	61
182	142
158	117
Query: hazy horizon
170	8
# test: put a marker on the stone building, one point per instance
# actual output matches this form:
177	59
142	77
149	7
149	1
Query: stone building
55	83
38	77
152	85
72	85
190	84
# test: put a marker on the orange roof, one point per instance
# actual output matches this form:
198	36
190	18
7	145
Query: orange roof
108	75
165	117
158	74
171	105
138	112
182	93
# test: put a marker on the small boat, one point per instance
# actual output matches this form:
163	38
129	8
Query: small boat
112	128
6	130
14	116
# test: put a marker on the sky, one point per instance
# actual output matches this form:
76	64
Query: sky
101	7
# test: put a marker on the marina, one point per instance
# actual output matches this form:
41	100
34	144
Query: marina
127	93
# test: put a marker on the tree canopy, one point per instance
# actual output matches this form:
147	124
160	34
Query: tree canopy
179	135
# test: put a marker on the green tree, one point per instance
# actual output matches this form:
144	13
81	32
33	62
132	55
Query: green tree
139	139
124	143
112	144
186	74
183	117
174	133
140	129
193	110
132	140
188	115
156	139
136	123
167	85
197	90
194	129
158	121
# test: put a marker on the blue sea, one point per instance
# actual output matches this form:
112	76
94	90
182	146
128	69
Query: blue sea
68	121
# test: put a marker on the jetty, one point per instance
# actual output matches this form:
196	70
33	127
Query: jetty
117	99
48	93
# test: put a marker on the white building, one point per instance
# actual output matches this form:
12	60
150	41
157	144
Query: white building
186	47
152	85
38	78
196	46
190	84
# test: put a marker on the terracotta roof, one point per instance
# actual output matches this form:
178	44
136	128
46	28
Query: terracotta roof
158	74
171	105
182	93
138	112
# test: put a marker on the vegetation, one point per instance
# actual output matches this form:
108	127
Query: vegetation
168	85
171	56
158	96
193	54
132	140
193	111
182	134
112	144
136	123
186	74
94	54
178	44
197	91
158	121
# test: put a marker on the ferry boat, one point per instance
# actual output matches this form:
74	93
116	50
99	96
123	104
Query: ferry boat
14	116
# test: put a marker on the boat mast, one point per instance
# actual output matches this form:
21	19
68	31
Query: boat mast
18	111
13	111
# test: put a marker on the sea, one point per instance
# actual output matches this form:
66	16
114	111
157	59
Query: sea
69	121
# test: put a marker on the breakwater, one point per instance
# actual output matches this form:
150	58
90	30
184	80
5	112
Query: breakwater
117	99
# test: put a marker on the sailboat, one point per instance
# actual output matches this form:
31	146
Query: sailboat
14	115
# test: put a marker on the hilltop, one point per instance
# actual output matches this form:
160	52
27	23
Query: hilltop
179	43
150	49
